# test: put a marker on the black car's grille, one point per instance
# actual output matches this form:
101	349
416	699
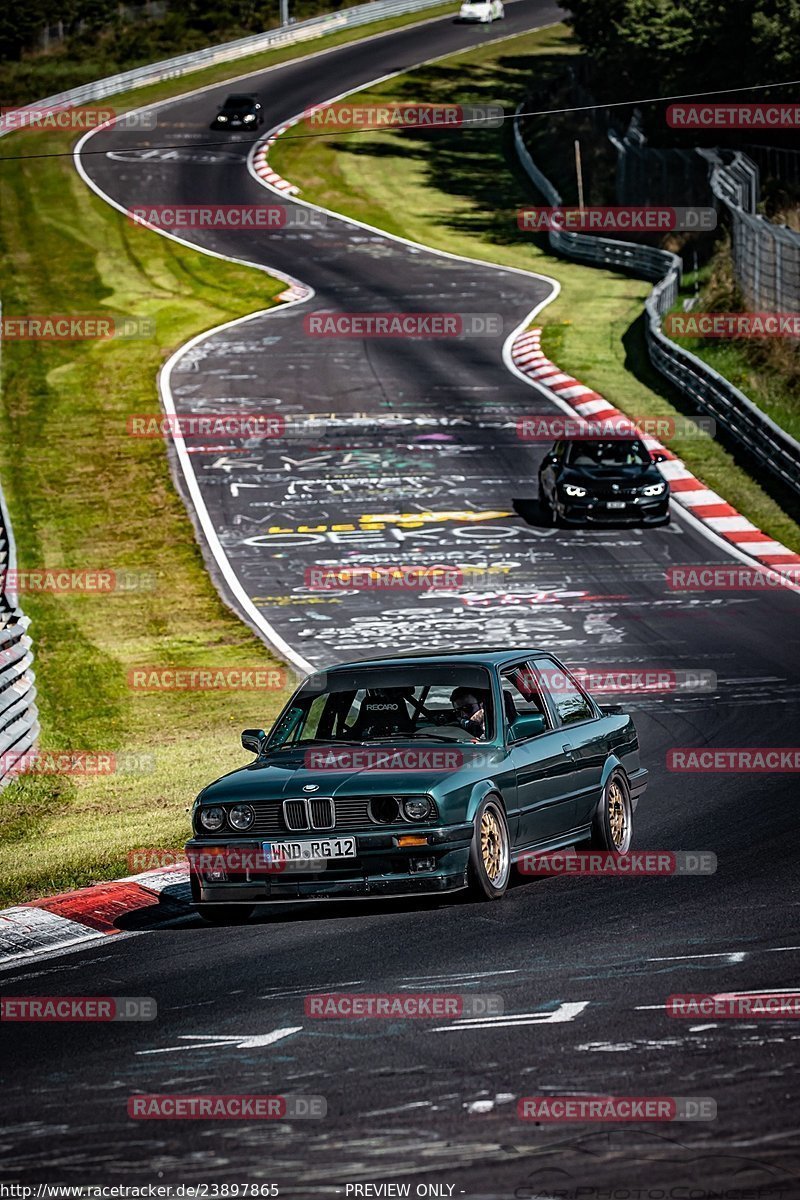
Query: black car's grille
606	492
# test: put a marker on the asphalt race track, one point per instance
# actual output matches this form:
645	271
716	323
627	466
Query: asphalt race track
406	451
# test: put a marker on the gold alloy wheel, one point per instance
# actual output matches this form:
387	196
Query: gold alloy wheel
493	851
617	816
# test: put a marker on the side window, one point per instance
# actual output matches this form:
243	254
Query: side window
570	702
522	697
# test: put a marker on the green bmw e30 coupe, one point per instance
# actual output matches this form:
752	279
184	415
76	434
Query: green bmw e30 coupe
415	774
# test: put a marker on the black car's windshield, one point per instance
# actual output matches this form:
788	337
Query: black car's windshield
369	705
238	102
617	452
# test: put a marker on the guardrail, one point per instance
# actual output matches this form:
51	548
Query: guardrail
742	420
19	718
182	64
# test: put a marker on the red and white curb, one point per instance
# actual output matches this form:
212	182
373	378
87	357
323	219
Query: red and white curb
58	922
261	161
685	488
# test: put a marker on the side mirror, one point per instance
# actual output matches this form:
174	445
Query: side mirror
527	726
551	460
253	740
657	456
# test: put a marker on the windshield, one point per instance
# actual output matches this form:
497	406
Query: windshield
239	102
442	702
615	453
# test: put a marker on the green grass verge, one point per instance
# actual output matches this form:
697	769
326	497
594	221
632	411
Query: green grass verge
459	190
83	494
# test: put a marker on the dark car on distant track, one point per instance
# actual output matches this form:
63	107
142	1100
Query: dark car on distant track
416	774
603	481
239	112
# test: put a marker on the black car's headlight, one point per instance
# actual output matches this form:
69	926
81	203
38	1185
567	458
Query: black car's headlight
416	808
249	117
212	818
241	816
572	489
654	489
221	117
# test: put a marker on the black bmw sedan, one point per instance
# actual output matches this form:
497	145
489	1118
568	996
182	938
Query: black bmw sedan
239	112
602	482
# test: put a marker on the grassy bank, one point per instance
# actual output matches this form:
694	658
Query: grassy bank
85	495
767	370
459	190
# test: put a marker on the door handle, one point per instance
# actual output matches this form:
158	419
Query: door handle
567	750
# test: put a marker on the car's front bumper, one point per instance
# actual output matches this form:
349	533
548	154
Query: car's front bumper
637	511
381	868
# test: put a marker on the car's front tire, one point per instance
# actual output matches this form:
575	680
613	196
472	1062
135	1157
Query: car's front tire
490	851
224	914
612	827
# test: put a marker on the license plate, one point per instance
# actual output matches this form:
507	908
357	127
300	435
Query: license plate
310	851
615	503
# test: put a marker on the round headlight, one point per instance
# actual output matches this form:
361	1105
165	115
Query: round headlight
241	816
416	809
212	819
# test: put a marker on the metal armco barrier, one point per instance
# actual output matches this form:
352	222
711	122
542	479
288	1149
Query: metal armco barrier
702	385
19	718
182	64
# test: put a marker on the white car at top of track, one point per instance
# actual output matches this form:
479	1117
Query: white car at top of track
482	11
